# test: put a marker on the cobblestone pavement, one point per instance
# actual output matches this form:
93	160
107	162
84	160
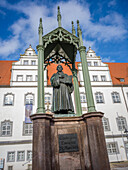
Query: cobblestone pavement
119	166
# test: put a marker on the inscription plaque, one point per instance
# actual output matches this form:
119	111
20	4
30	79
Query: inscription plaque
68	143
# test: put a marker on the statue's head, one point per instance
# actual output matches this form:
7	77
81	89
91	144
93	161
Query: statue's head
59	68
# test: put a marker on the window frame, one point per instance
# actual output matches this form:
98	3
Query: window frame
25	61
108	125
24	129
81	100
99	99
27	155
31	78
113	94
23	155
11	128
103	80
96	76
8	156
117	121
29	102
89	63
5	95
19	76
95	63
49	95
10	166
116	147
32	62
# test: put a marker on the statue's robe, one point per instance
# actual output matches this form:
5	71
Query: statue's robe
62	89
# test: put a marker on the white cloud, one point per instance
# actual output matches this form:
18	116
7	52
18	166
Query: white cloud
9	46
25	29
113	19
107	59
112	3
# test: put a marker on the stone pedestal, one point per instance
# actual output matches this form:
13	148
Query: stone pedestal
69	143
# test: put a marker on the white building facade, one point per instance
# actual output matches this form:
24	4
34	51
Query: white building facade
21	92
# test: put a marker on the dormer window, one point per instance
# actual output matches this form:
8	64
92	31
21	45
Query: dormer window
33	62
19	77
89	63
121	79
29	78
95	63
25	62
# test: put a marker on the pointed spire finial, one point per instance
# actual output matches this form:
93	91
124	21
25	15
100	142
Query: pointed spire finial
40	27
79	33
78	28
73	29
59	17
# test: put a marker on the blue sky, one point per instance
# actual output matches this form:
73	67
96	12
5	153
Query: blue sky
104	24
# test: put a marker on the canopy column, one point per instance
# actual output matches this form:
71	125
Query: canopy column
86	77
40	93
76	91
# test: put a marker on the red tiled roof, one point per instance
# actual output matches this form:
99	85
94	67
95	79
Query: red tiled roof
5	72
52	69
117	71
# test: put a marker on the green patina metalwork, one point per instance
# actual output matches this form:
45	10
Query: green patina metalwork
76	91
40	49
86	77
60	46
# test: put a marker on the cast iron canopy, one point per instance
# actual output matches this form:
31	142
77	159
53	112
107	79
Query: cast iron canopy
60	45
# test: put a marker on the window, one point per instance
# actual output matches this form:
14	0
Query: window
6	128
10	167
105	124
95	78
29	53
83	98
89	63
47	98
25	62
11	156
29	155
90	55
121	79
9	99
95	63
19	77
121	123
29	78
33	62
112	148
99	97
116	97
29	98
103	78
20	156
27	128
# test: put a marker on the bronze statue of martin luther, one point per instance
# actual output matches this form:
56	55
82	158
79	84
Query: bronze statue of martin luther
62	89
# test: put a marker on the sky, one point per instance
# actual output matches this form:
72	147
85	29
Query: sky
104	25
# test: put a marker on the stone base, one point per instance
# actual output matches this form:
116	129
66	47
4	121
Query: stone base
69	143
